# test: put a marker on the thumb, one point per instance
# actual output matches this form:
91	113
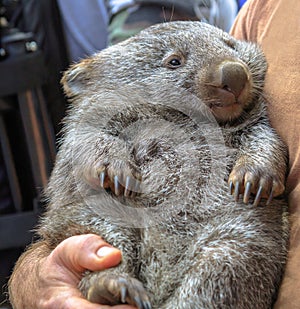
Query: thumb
86	252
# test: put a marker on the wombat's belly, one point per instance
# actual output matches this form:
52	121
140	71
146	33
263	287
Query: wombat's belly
238	251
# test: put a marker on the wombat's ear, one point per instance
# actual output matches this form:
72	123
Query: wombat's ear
75	79
229	41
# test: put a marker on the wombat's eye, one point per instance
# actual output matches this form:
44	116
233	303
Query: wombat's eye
173	62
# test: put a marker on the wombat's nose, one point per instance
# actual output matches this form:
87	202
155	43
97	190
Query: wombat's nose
228	83
233	77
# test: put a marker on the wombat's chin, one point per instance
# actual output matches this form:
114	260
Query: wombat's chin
227	113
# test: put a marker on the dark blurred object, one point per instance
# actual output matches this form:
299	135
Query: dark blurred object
42	19
85	26
129	17
31	105
241	3
13	42
7	8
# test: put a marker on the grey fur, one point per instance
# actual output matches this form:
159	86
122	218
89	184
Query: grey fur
195	247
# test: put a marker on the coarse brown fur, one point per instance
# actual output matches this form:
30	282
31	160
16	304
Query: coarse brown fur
143	109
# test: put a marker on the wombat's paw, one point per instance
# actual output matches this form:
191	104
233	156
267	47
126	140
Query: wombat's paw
246	180
114	289
121	177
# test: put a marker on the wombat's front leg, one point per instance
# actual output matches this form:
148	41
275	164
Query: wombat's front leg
111	288
261	166
112	167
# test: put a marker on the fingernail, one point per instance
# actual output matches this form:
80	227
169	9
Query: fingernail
104	251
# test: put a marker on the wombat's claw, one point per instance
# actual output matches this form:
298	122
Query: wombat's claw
270	196
119	185
258	196
114	289
243	182
235	191
101	178
127	185
247	192
132	187
136	299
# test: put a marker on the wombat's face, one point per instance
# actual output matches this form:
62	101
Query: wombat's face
225	74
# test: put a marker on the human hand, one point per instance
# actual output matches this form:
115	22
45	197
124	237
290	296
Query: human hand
56	276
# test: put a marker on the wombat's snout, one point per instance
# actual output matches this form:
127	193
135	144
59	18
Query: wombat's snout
229	83
228	87
233	78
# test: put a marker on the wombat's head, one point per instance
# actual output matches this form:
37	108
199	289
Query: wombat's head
224	73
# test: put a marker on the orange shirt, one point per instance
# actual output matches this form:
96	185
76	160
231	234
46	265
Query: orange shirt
275	25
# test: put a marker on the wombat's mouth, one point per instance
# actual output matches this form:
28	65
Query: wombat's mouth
227	98
226	112
228	105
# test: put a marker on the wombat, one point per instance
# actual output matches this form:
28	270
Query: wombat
156	124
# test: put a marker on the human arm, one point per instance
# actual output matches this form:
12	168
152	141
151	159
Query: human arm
272	24
49	279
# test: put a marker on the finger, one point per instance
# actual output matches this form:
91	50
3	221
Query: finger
78	302
247	192
89	251
258	196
